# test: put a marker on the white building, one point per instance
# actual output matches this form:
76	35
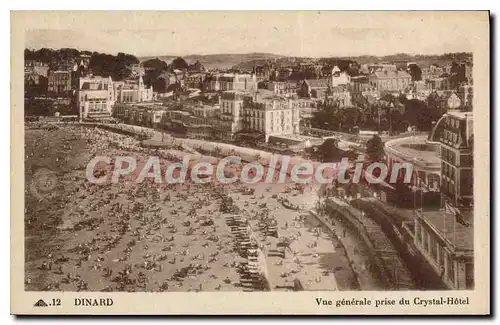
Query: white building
132	91
271	115
95	97
261	112
339	78
230	119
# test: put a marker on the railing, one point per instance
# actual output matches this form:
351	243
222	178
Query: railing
390	149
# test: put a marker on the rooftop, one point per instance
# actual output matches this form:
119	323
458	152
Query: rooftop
415	149
445	225
265	94
389	74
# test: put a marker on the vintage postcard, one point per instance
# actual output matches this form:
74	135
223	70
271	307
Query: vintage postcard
295	162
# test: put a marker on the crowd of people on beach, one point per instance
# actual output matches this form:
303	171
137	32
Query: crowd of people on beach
157	237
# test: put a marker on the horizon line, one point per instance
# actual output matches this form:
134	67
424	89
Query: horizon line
268	53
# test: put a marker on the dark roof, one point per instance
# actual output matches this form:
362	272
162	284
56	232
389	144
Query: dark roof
391	74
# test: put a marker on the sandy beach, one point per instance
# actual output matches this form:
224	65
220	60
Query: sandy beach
158	237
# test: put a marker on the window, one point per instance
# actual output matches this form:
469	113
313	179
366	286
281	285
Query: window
433	248
451	268
433	181
466	160
422	236
469	276
426	241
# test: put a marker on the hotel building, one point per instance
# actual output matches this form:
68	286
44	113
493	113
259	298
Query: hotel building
271	115
444	238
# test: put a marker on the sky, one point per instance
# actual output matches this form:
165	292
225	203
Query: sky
292	33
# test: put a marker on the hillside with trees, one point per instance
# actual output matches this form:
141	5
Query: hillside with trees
390	113
349	64
179	63
220	61
154	68
116	66
109	65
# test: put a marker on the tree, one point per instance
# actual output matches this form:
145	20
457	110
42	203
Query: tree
117	67
375	148
323	119
329	151
415	72
417	113
457	73
159	85
127	59
154	70
396	119
179	63
301	75
351	116
155	64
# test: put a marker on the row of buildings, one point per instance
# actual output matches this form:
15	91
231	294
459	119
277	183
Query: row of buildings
96	96
333	86
336	87
62	79
239	113
58	79
380	81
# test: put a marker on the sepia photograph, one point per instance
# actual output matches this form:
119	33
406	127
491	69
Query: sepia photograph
238	152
